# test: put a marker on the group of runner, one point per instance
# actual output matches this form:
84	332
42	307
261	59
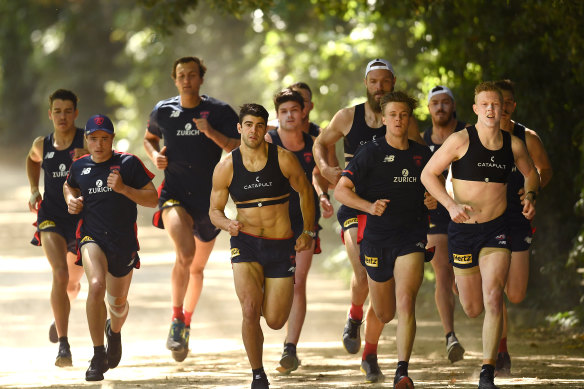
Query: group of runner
278	175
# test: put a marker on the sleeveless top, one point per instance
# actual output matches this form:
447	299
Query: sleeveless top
481	164
360	133
433	146
265	183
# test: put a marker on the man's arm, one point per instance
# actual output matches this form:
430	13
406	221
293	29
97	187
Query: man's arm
527	168
344	193
293	171
414	132
147	196
152	147
33	172
539	156
337	128
220	139
73	199
222	176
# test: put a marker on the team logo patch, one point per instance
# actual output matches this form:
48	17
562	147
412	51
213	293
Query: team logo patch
204	114
350	222
234	252
87	238
463	259
371	261
418	160
170	203
98	121
308	157
46	224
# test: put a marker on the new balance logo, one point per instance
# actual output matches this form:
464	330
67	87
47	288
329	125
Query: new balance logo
49	155
389	158
174	114
85	171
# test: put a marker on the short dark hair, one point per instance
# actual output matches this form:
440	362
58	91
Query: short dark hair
398	97
253	110
506	85
63	94
301	85
488	86
198	61
288	95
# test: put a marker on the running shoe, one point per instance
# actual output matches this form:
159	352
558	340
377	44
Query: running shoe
114	345
487	380
352	335
503	365
53	336
97	367
260	383
176	340
289	361
371	369
454	349
402	382
64	358
181	355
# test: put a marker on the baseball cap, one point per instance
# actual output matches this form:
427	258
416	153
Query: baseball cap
99	123
379	64
439	90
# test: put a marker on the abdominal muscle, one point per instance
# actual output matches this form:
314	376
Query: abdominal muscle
271	221
488	199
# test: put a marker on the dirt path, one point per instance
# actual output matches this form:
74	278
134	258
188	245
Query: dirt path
217	358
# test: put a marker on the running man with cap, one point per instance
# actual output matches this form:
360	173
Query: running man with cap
520	228
358	125
482	157
383	181
442	109
54	154
104	188
196	129
259	176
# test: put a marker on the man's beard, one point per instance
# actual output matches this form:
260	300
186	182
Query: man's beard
373	103
444	120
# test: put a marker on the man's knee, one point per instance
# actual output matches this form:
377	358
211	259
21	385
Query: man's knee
119	306
61	277
96	288
494	300
384	316
276	321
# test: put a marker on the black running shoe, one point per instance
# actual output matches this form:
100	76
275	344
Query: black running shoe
352	335
487	379
97	367
53	336
371	369
503	365
64	358
181	355
289	361
176	341
402	382
260	383
114	345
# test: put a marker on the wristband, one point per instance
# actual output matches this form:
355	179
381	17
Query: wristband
312	234
33	196
533	193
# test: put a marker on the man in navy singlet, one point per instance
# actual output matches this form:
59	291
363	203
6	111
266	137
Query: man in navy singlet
520	233
196	129
482	157
383	182
54	154
357	125
104	188
289	135
442	110
258	176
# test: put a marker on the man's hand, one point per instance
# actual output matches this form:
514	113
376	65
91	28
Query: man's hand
75	205
332	174
202	125
528	206
34	201
378	207
459	212
114	181
234	227
304	242
78	152
429	201
160	159
327	207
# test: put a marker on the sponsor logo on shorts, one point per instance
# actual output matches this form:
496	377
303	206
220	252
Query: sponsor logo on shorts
463	259
188	131
46	224
87	238
421	245
234	252
292	269
500	237
350	222
528	239
170	203
371	261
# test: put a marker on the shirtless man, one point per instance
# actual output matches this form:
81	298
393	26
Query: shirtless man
357	125
258	176
482	157
520	228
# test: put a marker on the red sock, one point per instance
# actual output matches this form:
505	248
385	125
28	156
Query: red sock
369	349
177	313
503	345
356	312
188	316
